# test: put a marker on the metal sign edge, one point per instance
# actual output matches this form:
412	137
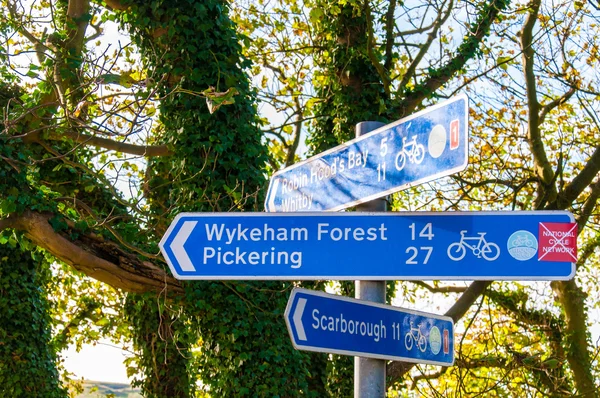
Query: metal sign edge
354	214
509	278
380	129
353	300
369	355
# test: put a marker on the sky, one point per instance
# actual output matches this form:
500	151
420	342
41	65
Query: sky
100	362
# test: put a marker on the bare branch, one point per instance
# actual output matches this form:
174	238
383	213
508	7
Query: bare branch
139	150
440	20
579	183
40	47
589	206
467	50
395	370
558	101
441	289
543	169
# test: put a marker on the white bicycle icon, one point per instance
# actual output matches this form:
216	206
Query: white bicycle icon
521	240
412	150
415	335
480	247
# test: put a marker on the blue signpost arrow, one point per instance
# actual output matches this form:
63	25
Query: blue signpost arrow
419	148
373	246
324	322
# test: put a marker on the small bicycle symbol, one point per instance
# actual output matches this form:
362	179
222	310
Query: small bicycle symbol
522	240
412	150
415	335
480	248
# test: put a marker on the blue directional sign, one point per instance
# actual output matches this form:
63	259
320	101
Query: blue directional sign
420	148
324	322
372	246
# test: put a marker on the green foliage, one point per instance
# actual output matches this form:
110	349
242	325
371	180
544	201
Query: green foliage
27	359
245	349
161	336
219	158
347	80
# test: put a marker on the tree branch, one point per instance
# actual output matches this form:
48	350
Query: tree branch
291	150
40	48
558	101
92	255
585	177
440	289
389	35
589	206
396	369
140	150
543	169
541	370
78	18
381	71
572	300
84	139
467	50
440	20
115	5
514	303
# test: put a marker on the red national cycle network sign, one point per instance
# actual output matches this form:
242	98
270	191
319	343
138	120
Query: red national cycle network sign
558	242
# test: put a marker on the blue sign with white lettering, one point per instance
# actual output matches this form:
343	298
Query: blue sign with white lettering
537	245
324	322
419	148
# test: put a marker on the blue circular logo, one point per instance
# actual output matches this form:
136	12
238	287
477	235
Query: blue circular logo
435	340
522	245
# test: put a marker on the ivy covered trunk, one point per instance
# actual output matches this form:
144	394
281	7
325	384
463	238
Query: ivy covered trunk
161	340
217	165
27	360
352	90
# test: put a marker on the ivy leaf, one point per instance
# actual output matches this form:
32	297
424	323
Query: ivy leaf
8	206
214	99
124	79
503	62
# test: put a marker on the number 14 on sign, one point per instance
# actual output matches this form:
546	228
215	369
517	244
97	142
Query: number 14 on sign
427	233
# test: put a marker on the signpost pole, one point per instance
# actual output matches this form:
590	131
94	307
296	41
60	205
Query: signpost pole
369	374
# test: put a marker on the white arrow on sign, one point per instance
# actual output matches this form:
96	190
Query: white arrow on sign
271	205
298	319
177	246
